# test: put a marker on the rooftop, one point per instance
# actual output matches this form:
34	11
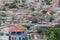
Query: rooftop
17	28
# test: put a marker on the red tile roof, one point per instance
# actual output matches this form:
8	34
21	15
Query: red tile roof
17	28
54	1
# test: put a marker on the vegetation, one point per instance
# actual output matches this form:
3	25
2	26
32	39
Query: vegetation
51	19
57	25
27	6
15	1
48	2
1	33
52	33
44	11
52	12
33	15
1	18
3	14
23	0
7	4
27	26
34	20
22	5
3	8
49	16
33	9
11	5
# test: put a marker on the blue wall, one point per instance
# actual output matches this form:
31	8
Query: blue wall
19	35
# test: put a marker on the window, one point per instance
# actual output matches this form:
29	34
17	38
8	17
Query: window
13	38
18	33
13	33
9	38
23	32
19	38
7	34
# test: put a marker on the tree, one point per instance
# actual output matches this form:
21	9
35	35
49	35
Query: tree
1	33
49	16
52	33
57	34
41	30
22	5
44	11
34	20
32	8
12	5
33	15
57	25
3	8
7	4
23	1
52	12
51	19
3	14
27	26
48	2
15	1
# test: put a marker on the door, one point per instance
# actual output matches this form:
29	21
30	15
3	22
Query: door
13	38
19	38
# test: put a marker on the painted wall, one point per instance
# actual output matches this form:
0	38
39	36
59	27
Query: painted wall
54	1
17	36
4	37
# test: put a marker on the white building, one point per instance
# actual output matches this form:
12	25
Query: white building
6	1
33	1
4	36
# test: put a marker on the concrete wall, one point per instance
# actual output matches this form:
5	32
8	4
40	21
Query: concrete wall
4	38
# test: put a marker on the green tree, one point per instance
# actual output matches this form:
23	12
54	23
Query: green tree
51	19
3	14
27	26
7	4
33	15
57	25
44	11
52	33
32	8
22	5
52	12
48	2
1	33
57	34
12	5
3	8
34	20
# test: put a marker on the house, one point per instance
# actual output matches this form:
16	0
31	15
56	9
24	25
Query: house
21	1
33	1
12	10
3	33
18	33
6	1
54	1
42	24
